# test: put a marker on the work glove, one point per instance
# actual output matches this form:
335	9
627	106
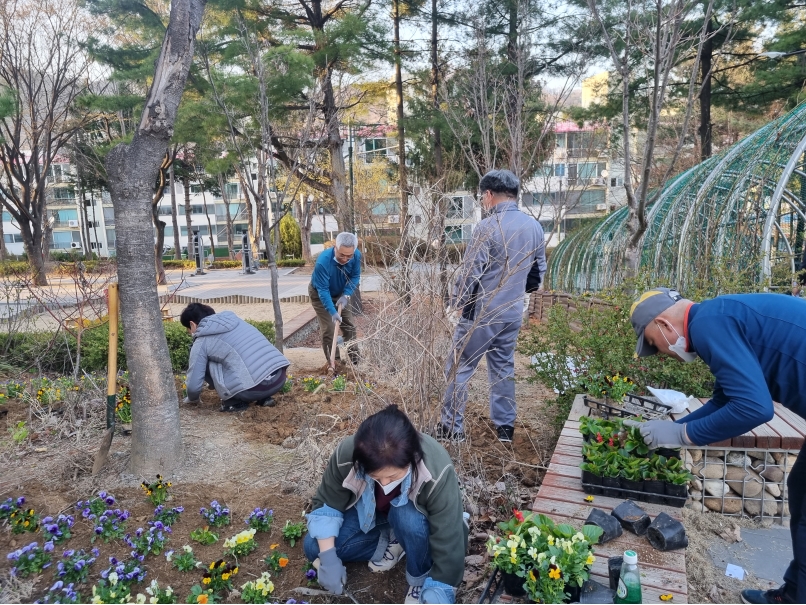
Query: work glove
661	433
332	574
453	316
343	301
335	317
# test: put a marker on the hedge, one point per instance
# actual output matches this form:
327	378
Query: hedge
57	352
291	262
226	264
179	264
14	268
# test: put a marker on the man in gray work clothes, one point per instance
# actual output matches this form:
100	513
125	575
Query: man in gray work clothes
505	258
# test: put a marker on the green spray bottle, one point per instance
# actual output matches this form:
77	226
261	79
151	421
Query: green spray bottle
629	582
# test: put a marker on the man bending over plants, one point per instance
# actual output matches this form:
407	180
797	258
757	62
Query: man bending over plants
232	356
755	345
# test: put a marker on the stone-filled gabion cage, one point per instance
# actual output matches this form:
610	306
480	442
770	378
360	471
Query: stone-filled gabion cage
740	212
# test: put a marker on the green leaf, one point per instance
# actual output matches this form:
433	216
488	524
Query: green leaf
592	533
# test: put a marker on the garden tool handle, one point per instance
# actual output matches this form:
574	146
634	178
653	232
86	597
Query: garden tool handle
112	359
334	344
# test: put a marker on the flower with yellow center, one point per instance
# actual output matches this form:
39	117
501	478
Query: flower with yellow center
554	573
532	576
532	552
590	559
202	598
206	580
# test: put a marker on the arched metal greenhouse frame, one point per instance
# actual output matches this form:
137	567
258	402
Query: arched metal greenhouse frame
741	212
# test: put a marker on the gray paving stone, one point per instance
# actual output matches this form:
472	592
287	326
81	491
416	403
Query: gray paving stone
765	553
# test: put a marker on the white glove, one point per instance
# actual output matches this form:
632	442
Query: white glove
453	316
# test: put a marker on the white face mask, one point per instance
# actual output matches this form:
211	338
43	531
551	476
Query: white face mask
679	347
387	489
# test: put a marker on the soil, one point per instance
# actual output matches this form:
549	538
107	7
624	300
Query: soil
268	457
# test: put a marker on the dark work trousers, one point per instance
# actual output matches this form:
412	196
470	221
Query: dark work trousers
326	327
260	391
795	576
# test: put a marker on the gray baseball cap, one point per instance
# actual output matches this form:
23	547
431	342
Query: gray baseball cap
644	310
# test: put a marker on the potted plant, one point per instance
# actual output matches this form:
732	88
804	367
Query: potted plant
611	471
553	561
653	479
633	441
632	474
676	477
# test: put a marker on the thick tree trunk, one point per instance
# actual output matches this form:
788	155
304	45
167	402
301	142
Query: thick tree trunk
159	245
132	169
174	218
335	144
32	242
401	133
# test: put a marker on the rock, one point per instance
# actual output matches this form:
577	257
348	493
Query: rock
480	537
731	506
774	489
772	473
632	517
716	487
744	482
695	494
474	560
778	456
753	507
785	510
712	469
696	484
290	443
500	486
766	457
715	453
696	455
687	459
738	459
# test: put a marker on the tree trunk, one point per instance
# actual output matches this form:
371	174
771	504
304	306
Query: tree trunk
159	245
209	225
401	133
174	218
344	215
188	214
705	94
32	242
132	170
305	223
437	140
222	183
250	214
2	237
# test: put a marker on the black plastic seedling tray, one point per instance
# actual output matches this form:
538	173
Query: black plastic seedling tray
647	408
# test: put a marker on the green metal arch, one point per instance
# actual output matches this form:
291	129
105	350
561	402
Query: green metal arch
743	210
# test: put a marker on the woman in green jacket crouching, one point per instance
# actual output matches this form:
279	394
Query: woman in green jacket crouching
390	491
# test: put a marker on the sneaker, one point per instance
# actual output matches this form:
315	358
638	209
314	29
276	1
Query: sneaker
413	595
505	433
443	433
776	595
267	403
233	406
393	553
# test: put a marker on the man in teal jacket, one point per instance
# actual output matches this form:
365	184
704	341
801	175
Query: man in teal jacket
335	278
755	345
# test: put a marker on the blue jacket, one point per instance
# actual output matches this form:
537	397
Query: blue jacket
237	354
755	345
331	280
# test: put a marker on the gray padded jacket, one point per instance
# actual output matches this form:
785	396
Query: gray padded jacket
238	355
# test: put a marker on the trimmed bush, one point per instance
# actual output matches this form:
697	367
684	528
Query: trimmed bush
90	266
179	264
57	352
226	264
12	268
291	262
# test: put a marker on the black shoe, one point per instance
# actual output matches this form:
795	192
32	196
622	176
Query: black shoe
267	403
505	433
776	595
443	433
233	406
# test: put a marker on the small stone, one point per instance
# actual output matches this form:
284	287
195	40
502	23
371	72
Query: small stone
687	458
696	484
474	560
744	482
753	507
790	462
774	489
715	453
778	456
716	487
771	473
290	443
738	459
729	505
713	469
480	537
695	494
696	455
500	486
785	511
762	455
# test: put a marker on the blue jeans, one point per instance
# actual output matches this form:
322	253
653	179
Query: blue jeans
411	530
795	576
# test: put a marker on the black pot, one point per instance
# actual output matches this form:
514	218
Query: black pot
610	526
654	487
677	491
591	478
611	486
666	533
668	452
513	584
574	593
635	486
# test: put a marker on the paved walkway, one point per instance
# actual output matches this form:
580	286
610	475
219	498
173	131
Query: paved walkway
217	285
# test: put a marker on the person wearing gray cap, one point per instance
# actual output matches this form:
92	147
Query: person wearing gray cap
505	258
755	346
